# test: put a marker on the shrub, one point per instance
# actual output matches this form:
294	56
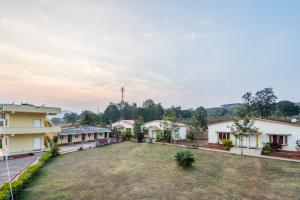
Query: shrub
191	136
184	159
227	144
275	147
158	137
128	134
266	150
55	149
140	137
46	156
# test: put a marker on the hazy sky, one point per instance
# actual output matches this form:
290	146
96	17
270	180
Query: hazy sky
77	54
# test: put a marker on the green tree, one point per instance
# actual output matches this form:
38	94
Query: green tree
111	113
169	125
137	126
88	118
264	102
151	110
71	118
286	109
199	119
243	126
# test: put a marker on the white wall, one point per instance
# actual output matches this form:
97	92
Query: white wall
264	127
157	123
122	123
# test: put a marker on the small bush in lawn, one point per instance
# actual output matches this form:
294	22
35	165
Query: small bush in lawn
227	144
184	159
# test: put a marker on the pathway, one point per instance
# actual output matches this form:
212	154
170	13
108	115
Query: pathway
15	167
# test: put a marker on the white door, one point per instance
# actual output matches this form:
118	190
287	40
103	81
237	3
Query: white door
37	144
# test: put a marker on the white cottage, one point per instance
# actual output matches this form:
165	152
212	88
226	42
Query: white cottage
157	127
269	131
123	125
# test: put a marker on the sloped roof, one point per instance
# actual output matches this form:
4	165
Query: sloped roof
258	119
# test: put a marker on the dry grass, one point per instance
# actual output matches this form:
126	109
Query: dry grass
144	171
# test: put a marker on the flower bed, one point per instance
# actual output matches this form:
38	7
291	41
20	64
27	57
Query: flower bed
286	154
214	146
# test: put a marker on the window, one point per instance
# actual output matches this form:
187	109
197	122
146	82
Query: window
100	134
1	144
224	136
37	123
279	139
76	136
89	135
61	137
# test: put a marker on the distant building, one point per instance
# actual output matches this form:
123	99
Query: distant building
23	128
153	128
123	125
83	134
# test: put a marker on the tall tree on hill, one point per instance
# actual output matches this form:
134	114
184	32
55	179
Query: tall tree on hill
89	118
71	118
264	102
286	109
152	111
111	113
248	101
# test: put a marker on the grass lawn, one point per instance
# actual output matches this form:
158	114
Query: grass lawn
148	171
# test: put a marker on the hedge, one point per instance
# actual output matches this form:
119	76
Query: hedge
24	179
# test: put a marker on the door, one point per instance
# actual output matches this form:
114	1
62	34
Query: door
105	135
37	143
95	136
83	137
274	139
69	138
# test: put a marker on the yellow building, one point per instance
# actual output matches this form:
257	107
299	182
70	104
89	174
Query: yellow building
23	128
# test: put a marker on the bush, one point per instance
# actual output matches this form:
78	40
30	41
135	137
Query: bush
227	144
184	159
140	137
266	150
275	147
191	136
158	137
55	149
128	134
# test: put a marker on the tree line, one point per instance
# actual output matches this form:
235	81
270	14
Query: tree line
264	104
261	104
148	111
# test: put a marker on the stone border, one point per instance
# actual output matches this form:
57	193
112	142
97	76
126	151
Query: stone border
220	151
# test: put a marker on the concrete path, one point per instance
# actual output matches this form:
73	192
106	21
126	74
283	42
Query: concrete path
246	151
75	147
15	166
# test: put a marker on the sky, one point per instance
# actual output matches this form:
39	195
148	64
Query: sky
78	54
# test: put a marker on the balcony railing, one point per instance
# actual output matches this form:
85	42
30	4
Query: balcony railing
25	130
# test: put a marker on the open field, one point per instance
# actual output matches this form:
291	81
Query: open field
148	171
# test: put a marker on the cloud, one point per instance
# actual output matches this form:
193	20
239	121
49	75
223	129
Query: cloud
148	35
194	36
